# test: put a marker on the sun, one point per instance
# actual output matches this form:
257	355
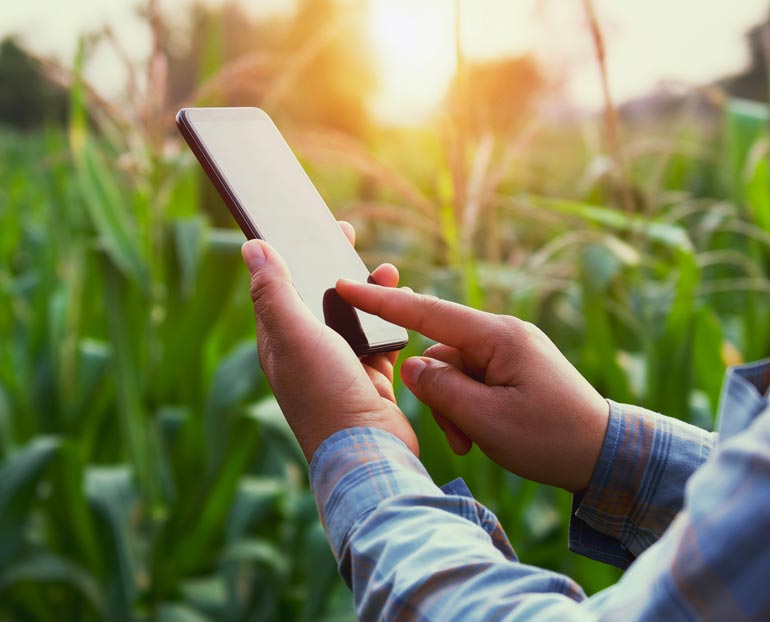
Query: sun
413	44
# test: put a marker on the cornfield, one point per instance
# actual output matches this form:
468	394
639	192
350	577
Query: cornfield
146	471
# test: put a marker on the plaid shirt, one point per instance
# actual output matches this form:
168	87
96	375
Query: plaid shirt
700	545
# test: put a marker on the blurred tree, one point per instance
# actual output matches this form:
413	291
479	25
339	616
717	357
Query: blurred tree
498	95
753	83
28	98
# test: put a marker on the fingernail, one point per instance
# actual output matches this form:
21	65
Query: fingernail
253	255
412	369
348	282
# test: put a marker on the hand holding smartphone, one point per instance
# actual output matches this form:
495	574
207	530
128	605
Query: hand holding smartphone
272	198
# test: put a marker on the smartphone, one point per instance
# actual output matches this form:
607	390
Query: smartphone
272	198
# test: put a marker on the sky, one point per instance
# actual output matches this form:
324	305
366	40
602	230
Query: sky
649	42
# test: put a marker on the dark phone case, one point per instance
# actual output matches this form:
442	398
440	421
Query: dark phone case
249	230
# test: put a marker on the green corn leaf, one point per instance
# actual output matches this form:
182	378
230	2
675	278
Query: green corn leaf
757	187
72	529
601	267
321	572
110	212
78	119
6	424
124	329
745	122
198	314
20	475
268	413
111	494
260	552
709	368
208	595
102	194
256	499
179	612
657	231
598	268
215	499
91	391
93	361
225	240
671	362
188	241
236	378
41	567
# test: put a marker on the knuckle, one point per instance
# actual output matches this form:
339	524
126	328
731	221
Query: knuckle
534	337
511	338
505	331
378	305
428	304
427	301
530	331
515	330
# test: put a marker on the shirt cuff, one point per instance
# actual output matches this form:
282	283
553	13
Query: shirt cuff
744	396
357	468
638	483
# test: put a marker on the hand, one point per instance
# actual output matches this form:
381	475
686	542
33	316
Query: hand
320	384
498	382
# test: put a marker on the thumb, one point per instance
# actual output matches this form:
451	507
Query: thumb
276	302
447	390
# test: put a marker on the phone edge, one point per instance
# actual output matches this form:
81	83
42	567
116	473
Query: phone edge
188	133
382	348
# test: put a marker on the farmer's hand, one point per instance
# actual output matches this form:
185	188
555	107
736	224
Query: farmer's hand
320	384
498	382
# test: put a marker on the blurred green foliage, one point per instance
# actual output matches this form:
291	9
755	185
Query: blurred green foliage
146	471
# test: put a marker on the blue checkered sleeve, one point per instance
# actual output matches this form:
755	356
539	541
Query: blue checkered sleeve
637	487
411	551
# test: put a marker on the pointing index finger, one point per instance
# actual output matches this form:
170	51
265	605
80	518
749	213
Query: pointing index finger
447	322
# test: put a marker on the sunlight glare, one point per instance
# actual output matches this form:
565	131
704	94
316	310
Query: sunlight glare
414	50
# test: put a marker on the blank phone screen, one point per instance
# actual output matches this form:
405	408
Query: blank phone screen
282	206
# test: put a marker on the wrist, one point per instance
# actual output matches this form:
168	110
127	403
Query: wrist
591	448
354	470
393	423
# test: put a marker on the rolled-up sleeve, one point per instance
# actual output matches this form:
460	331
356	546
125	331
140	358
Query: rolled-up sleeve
412	551
637	487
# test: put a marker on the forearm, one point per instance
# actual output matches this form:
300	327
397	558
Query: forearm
409	551
434	558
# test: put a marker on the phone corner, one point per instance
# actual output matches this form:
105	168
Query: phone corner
181	116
